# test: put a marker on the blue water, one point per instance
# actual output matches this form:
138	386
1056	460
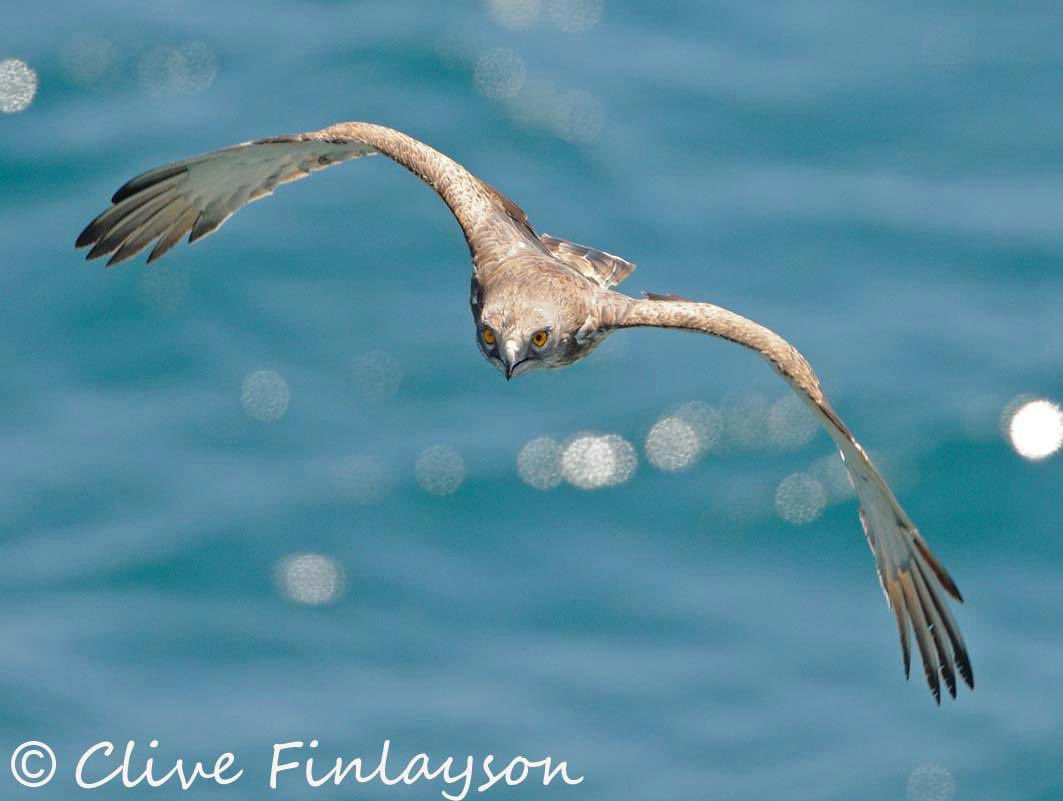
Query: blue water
879	181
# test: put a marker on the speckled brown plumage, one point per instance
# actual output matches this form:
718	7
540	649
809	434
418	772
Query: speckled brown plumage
538	302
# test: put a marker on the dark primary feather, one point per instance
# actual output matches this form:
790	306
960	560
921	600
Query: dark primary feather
896	601
173	236
147	179
936	566
154	226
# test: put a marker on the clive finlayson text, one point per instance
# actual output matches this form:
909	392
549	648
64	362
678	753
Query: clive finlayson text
34	763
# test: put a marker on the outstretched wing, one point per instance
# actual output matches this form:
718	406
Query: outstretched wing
198	195
914	582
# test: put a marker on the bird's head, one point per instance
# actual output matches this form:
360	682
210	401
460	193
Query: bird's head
522	336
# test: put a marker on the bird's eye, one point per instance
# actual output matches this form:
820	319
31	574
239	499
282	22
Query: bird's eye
539	338
488	336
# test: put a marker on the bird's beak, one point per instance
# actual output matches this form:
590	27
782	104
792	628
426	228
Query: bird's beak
512	357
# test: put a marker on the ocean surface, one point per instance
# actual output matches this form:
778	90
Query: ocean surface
267	490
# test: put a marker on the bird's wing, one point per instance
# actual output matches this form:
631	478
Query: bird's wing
603	268
196	196
914	582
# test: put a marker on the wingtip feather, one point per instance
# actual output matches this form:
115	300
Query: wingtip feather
896	600
85	238
145	180
939	570
927	648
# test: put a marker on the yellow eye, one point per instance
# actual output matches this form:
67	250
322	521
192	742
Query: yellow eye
488	336
539	338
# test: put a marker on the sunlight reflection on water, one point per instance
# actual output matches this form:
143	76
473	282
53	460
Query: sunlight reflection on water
800	499
310	578
264	395
499	74
1034	426
539	463
182	70
18	85
439	470
592	461
931	783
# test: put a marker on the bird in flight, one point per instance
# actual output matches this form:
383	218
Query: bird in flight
539	302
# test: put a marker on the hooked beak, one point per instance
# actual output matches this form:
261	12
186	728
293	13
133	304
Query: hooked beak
511	358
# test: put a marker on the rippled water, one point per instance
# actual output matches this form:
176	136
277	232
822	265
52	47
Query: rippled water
267	489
